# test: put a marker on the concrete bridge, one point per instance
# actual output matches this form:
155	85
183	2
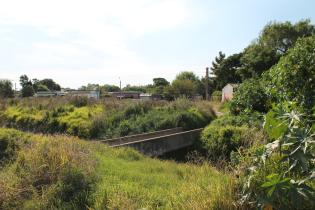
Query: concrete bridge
157	143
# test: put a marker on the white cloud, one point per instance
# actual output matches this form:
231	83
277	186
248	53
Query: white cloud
96	26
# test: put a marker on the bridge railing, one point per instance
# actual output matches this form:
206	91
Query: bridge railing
139	137
159	145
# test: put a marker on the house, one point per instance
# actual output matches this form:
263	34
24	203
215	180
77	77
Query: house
227	91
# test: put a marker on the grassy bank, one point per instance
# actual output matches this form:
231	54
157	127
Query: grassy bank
48	172
102	119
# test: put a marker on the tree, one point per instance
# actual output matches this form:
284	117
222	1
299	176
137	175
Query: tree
159	85
50	84
187	75
24	81
40	87
109	88
182	88
27	91
27	86
273	42
135	88
157	82
224	70
6	90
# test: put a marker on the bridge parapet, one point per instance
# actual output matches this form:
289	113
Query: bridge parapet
139	137
162	144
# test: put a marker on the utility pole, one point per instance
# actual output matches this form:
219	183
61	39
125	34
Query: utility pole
120	97
207	83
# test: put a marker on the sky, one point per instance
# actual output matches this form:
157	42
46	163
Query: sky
76	42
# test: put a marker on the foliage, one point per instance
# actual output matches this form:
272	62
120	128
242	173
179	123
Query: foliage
160	82
250	96
142	89
186	84
283	176
28	91
293	78
109	88
216	93
48	83
182	88
224	69
49	172
273	42
58	172
10	141
254	120
90	119
6	90
219	141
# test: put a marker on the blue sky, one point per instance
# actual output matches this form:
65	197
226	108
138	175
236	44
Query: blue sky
76	42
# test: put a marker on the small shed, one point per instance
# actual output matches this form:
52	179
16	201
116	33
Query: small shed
228	91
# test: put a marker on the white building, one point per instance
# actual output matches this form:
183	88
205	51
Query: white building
228	91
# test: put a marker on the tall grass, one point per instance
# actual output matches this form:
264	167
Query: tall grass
58	172
102	119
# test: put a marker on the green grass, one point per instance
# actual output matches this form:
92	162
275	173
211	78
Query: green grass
102	119
50	172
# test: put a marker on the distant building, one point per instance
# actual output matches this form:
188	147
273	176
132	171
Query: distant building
146	96
228	91
149	97
125	94
50	93
85	93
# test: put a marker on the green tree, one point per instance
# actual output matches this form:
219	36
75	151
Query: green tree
50	84
185	84
6	90
159	85
109	88
27	86
27	91
136	88
274	41
224	70
160	82
24	81
182	88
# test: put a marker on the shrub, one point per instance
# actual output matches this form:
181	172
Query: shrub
282	177
53	173
250	96
219	141
10	142
250	120
79	101
293	78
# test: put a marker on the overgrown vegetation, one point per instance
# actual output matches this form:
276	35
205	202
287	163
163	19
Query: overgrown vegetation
89	119
50	172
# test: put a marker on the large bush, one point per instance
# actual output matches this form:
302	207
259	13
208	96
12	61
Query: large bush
219	141
250	96
293	78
